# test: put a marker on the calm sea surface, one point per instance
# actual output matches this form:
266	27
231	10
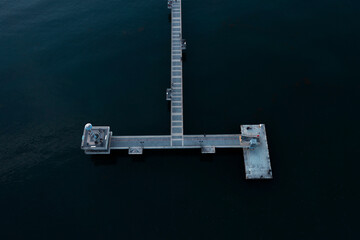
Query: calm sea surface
293	65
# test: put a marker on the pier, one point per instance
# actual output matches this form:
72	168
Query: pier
253	140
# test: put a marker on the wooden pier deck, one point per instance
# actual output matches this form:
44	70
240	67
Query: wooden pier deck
99	139
189	141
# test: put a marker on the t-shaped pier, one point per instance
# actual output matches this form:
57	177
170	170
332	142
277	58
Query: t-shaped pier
99	139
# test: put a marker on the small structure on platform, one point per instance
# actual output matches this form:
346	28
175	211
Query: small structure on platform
96	140
183	44
99	139
169	4
168	94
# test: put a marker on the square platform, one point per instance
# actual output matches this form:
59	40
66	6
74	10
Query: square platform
103	146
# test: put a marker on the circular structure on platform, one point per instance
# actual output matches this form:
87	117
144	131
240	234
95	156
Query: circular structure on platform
88	126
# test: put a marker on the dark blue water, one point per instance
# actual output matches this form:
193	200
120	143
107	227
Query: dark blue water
293	65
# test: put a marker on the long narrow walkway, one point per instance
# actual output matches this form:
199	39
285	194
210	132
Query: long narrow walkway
177	126
190	141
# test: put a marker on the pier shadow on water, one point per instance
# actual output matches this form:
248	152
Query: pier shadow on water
101	160
122	155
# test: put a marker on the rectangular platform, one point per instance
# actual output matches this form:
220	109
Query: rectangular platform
257	160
